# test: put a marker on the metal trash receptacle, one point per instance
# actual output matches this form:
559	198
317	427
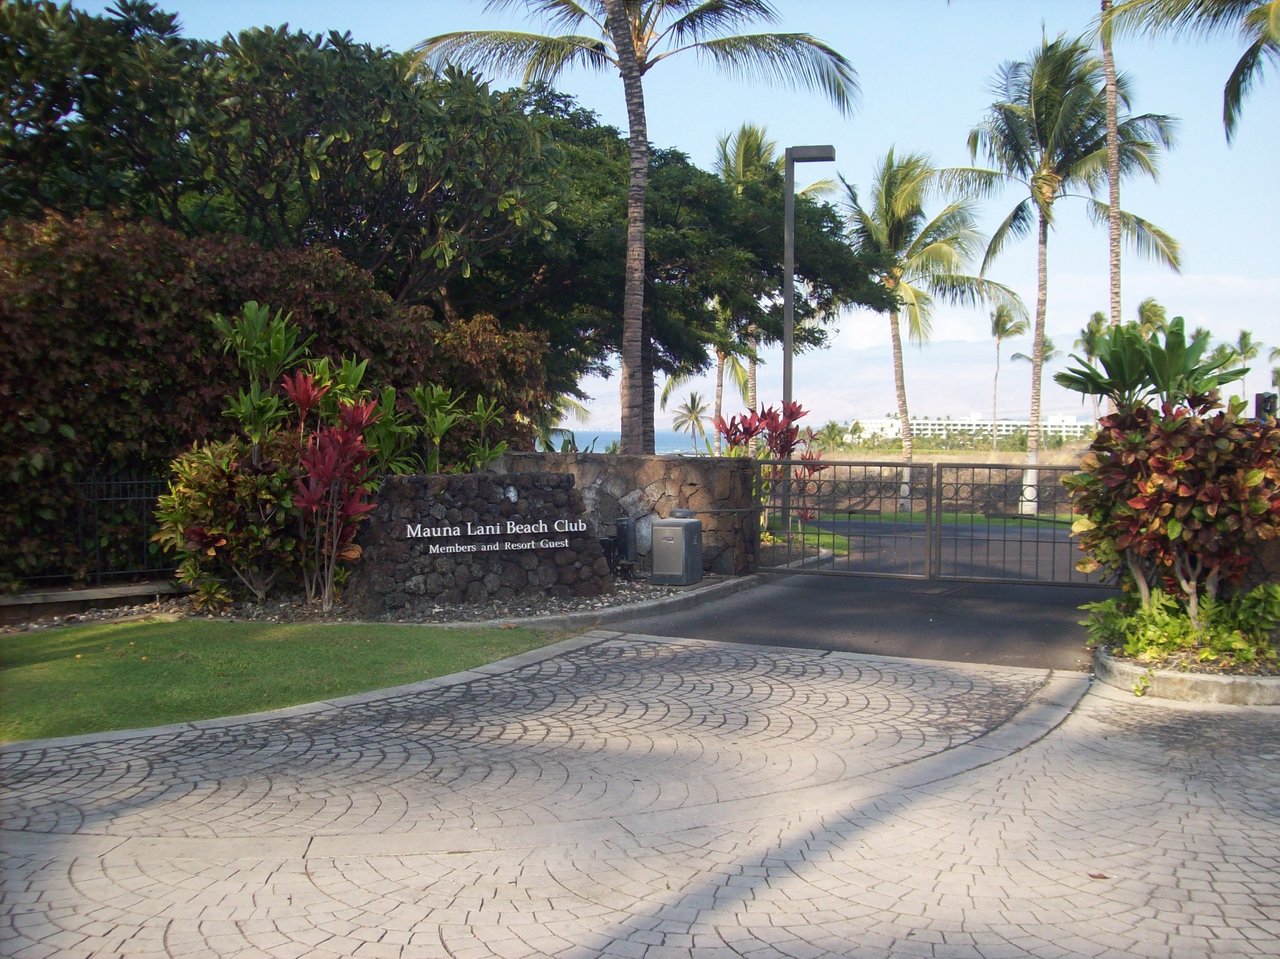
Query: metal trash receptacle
677	550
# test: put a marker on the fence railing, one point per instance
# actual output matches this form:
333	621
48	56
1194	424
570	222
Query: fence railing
983	522
106	535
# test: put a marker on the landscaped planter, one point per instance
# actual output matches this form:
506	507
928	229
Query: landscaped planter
1186	687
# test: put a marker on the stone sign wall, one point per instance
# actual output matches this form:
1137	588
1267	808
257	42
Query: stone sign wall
472	538
718	490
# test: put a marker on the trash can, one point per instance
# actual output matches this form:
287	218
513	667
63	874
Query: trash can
677	550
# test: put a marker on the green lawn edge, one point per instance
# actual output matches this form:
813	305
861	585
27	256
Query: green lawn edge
103	677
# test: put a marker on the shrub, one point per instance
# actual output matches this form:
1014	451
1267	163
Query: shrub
109	363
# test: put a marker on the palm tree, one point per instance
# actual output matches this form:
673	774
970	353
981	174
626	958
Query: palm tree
729	356
690	418
923	257
1153	318
1047	132
1087	343
1003	325
748	156
1246	349
632	37
1051	352
1112	95
1256	21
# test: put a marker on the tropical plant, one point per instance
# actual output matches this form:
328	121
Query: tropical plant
1003	325
1257	22
1050	352
1152	318
1132	370
1047	132
691	418
1087	344
633	36
1246	350
729	354
923	257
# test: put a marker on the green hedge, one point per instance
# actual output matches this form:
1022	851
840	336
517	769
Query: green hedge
109	362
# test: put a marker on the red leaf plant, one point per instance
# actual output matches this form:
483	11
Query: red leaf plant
332	496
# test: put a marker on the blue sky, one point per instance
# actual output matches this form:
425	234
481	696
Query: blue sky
925	68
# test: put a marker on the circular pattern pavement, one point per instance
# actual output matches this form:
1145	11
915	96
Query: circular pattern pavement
627	796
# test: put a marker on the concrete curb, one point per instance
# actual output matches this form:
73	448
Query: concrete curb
1186	687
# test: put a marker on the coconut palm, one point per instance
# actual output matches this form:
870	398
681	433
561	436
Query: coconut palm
1087	343
1153	318
924	257
1051	352
743	157
1246	349
1003	326
691	418
1257	22
730	353
1047	132
1112	96
632	37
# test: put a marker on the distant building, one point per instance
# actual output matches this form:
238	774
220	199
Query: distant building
1067	427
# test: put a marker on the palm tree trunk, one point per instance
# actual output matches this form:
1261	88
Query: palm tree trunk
720	361
753	398
1113	169
995	393
634	438
900	385
1030	478
904	418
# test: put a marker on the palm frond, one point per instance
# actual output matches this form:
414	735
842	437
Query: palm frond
1242	78
714	18
1014	226
532	56
565	15
793	59
1145	237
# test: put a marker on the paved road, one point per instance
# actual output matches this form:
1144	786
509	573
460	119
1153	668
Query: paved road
636	797
1034	626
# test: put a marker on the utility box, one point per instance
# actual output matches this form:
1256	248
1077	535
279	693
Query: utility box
677	550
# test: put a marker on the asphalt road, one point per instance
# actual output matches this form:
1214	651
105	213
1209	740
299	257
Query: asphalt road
995	624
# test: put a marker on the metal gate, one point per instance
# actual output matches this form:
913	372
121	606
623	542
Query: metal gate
969	522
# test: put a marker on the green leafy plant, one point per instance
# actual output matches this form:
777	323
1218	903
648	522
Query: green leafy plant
1234	631
228	511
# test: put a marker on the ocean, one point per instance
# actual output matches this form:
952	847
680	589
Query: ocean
664	441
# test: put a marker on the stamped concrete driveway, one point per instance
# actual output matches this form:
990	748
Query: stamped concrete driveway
641	798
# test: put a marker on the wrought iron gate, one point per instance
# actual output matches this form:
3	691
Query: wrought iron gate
971	521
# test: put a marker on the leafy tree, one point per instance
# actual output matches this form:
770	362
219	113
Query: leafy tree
923	256
1257	22
1003	326
633	36
1047	132
99	111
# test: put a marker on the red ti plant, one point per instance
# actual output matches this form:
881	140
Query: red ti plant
332	496
305	392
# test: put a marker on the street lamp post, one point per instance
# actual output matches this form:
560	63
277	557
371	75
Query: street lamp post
793	155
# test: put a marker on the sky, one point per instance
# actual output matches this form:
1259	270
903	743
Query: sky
925	69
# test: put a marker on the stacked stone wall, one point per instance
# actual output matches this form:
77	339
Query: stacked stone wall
469	539
718	491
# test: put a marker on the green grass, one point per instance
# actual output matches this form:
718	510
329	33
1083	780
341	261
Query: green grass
83	679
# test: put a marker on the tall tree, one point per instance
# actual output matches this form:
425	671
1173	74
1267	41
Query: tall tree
1003	326
1257	22
691	418
923	257
1047	132
1113	168
1087	343
633	36
1246	350
746	158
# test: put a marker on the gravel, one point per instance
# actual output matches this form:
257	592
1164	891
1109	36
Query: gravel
296	610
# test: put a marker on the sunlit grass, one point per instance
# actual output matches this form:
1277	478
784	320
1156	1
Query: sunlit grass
100	677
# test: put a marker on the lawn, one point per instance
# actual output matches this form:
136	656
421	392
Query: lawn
125	675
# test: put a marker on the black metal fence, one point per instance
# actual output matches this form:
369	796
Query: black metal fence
981	522
106	535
